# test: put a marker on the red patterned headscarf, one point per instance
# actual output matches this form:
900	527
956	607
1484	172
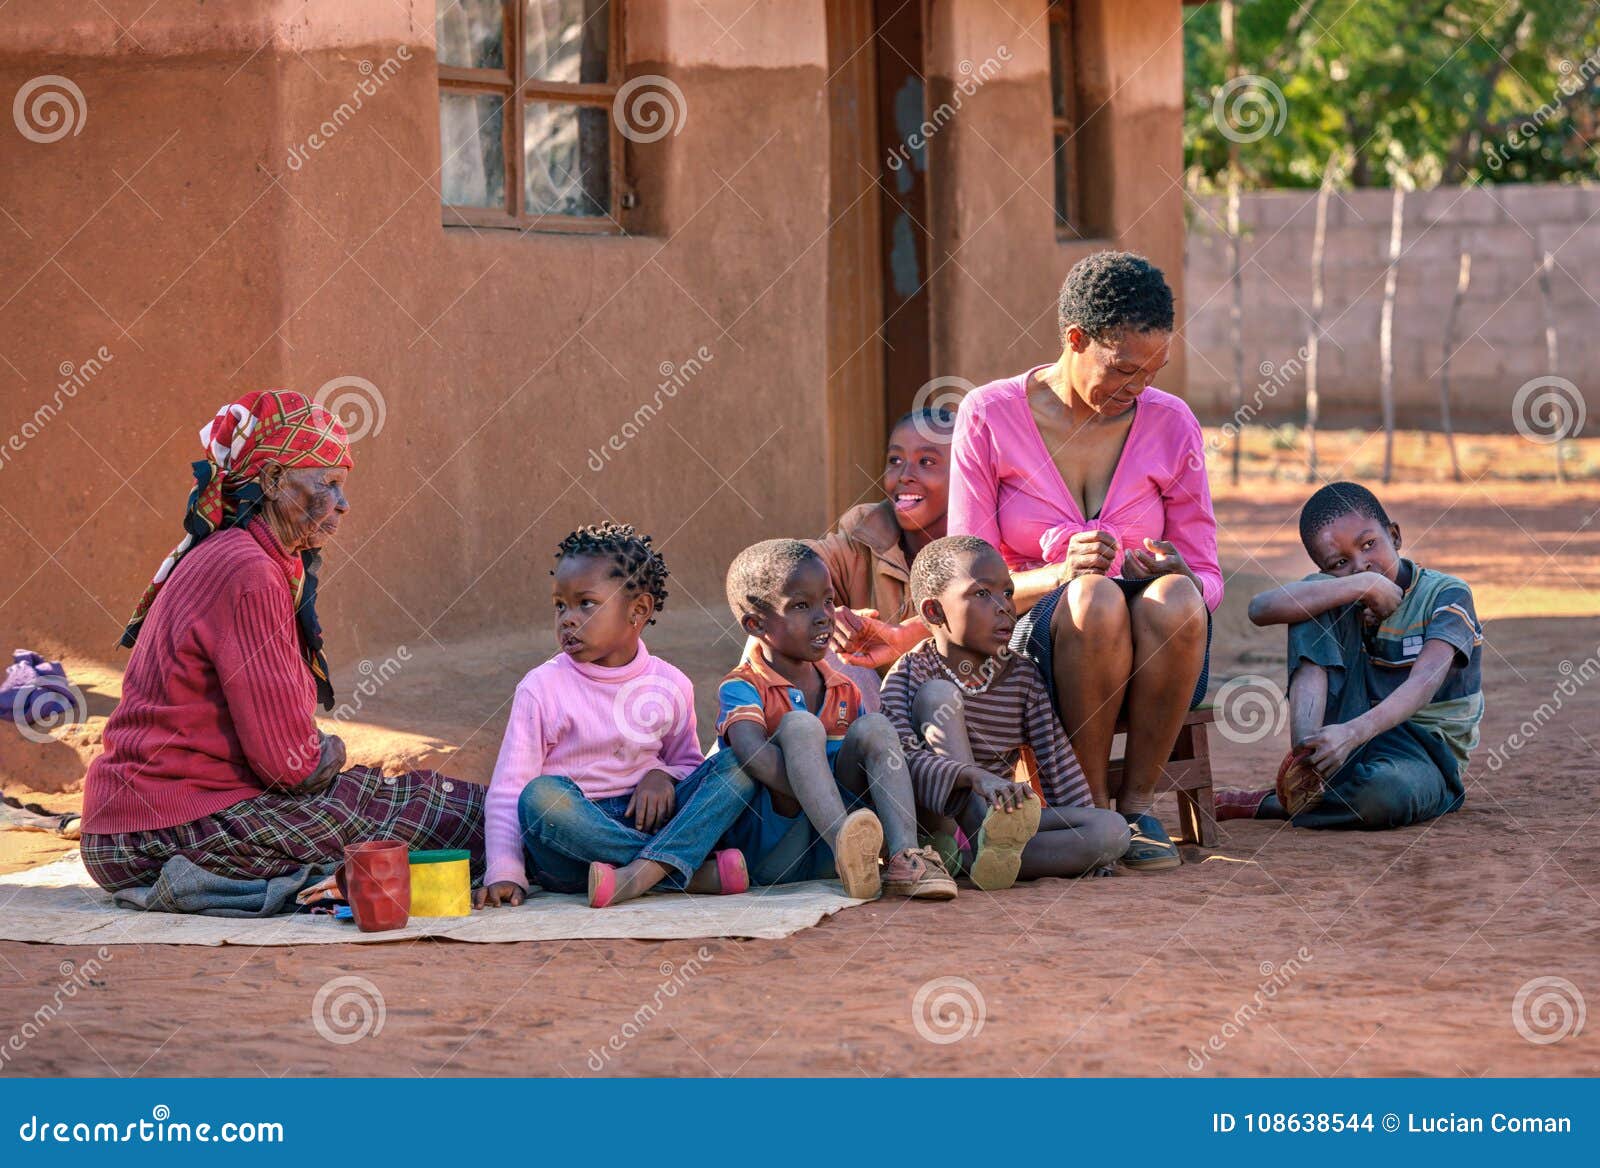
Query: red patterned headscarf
275	425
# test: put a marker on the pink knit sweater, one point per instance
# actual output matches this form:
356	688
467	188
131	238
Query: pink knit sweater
603	728
1005	488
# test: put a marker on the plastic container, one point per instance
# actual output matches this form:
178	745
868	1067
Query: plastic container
441	883
374	880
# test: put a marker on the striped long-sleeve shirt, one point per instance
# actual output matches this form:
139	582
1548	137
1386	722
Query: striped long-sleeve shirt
1015	711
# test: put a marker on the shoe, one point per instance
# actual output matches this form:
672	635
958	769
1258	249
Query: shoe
920	874
602	885
855	855
1235	804
733	876
1151	850
1004	834
950	849
1298	784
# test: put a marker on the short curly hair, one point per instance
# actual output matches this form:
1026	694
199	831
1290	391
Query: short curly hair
638	565
1334	500
937	564
1114	290
757	575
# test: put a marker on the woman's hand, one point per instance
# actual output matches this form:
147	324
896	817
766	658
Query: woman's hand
1089	553
851	630
500	892
875	643
653	801
330	761
1158	557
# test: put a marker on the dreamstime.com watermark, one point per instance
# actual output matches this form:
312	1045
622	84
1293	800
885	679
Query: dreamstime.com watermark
948	1009
1274	979
48	108
74	377
1573	678
675	379
1274	379
373	78
1574	76
973	78
647	109
347	1009
373	677
356	402
674	978
1548	409
1249	108
160	1128
1250	708
74	978
1548	1009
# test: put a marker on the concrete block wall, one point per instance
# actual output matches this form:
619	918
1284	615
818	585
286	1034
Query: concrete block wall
1500	330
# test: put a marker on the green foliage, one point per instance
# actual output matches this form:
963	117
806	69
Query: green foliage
1417	91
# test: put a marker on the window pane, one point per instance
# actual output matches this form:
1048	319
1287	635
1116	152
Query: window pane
1058	61
471	33
472	157
1064	178
567	40
567	151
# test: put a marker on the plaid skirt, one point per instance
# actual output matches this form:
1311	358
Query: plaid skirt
274	834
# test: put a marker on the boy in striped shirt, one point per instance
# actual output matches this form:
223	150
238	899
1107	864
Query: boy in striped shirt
1385	677
965	706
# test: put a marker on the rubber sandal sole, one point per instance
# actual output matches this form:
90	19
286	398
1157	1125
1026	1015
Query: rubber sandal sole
855	855
1001	838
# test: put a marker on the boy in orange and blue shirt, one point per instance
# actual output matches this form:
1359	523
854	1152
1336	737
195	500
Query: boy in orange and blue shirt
830	778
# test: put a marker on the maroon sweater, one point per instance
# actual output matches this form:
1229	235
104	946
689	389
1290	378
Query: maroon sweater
217	700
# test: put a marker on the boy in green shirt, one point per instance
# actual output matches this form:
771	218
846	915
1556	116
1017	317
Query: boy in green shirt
1385	677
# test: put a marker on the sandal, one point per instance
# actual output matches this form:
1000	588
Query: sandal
1235	804
733	876
998	856
602	885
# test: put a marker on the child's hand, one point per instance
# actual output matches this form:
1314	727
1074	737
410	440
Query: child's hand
653	801
1331	747
1000	792
500	892
1379	594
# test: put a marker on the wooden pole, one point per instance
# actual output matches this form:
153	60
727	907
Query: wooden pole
1235	265
1386	328
1319	241
1463	282
1552	352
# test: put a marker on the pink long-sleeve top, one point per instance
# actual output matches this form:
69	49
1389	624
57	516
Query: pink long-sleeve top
602	727
1005	488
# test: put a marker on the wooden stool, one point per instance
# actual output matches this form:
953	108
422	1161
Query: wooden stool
1187	772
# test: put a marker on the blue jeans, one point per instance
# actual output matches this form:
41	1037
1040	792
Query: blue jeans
564	831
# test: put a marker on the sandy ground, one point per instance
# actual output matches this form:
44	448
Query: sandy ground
1280	952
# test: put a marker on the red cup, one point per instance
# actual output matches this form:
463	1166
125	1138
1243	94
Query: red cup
376	879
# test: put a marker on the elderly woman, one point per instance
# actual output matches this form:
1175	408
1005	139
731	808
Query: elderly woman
1092	485
213	754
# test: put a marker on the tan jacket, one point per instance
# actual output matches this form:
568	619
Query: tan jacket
866	562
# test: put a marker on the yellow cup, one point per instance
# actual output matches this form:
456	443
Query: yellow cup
441	884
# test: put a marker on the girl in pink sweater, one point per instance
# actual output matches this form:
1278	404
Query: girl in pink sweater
600	780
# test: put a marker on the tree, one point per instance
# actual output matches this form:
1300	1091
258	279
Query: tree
1439	90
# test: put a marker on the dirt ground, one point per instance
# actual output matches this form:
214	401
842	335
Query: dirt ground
1280	952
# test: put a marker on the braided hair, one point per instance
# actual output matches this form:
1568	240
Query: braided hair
638	565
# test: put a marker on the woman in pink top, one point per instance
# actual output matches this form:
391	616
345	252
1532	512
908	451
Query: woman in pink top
1092	484
600	778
